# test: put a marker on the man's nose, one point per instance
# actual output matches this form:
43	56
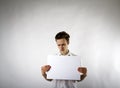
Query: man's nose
61	46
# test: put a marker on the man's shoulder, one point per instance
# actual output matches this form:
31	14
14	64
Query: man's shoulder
72	54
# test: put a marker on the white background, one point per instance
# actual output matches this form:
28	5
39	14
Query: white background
27	30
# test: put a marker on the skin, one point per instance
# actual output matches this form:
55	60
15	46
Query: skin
62	45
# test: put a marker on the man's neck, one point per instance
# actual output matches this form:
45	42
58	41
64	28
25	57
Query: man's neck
65	53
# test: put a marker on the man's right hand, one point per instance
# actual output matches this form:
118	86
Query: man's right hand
45	68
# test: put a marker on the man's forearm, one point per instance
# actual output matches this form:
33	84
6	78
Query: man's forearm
83	77
45	76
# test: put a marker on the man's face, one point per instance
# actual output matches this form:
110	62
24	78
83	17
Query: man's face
62	45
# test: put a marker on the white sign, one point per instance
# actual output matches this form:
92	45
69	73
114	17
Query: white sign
63	67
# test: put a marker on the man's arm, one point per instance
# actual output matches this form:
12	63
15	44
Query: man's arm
84	71
44	69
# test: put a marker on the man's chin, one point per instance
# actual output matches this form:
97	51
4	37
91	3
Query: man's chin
62	51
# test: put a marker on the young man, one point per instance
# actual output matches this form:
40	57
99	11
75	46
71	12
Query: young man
62	40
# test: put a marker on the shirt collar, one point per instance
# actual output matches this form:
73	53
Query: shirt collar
68	54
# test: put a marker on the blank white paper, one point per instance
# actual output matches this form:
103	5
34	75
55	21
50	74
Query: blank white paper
63	67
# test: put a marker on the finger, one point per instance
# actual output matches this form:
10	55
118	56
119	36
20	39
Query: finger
80	69
42	67
48	68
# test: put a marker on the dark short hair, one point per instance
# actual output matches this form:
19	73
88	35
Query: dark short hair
62	35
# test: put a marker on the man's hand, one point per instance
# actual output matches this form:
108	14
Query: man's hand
45	68
84	71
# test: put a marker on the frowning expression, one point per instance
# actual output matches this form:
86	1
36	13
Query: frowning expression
62	45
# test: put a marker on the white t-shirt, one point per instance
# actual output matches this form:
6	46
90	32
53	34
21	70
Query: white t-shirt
64	83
